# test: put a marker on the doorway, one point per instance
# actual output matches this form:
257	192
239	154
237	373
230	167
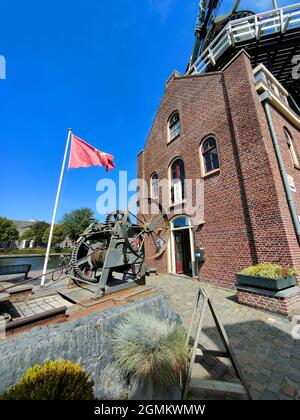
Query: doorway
181	249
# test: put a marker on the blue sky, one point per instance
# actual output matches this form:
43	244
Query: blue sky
96	66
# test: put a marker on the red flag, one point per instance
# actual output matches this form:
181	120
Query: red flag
84	155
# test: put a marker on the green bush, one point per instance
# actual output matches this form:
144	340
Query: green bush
54	380
273	271
145	346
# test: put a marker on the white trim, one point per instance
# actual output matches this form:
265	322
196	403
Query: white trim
171	205
291	146
171	247
151	186
279	104
263	68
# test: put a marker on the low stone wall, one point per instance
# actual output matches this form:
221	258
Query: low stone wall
284	302
85	340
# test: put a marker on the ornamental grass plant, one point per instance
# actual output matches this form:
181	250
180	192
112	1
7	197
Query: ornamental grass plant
146	347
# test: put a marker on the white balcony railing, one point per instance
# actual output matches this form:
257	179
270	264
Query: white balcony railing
246	29
266	80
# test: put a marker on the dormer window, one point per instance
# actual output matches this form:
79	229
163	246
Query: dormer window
174	126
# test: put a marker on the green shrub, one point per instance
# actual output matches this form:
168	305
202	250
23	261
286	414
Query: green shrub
273	271
145	346
54	380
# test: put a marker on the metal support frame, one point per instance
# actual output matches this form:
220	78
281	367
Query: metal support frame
278	20
115	257
202	304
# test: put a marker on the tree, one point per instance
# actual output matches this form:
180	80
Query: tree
8	230
76	222
58	234
36	232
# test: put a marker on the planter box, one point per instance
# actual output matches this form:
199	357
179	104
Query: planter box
265	282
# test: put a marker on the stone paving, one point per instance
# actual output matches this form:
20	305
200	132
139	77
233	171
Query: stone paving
268	355
32	305
40	305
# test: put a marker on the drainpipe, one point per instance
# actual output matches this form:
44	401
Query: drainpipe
264	100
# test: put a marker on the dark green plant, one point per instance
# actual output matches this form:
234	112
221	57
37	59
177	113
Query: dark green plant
8	230
76	222
54	380
146	347
59	234
273	271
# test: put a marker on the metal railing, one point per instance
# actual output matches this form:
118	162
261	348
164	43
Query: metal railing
246	29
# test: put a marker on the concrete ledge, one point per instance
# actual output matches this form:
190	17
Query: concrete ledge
86	340
291	291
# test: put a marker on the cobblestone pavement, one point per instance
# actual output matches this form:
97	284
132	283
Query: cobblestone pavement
263	344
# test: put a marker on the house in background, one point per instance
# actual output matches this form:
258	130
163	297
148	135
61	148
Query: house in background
22	226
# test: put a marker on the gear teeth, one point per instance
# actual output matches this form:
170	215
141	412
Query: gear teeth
111	218
74	260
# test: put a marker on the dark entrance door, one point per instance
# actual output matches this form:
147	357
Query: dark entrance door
183	252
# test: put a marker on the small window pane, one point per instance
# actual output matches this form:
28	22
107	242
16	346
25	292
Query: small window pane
212	142
208	165
181	222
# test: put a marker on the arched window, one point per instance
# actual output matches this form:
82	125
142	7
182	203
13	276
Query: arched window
177	181
174	126
154	186
209	154
290	144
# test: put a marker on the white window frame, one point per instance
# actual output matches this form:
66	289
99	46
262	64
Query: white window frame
183	199
203	171
171	246
157	185
175	130
290	143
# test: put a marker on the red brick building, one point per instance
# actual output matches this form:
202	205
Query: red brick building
247	218
233	129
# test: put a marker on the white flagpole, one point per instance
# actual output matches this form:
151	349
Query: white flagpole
55	209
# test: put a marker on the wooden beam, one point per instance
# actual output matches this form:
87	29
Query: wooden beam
212	385
214	353
199	352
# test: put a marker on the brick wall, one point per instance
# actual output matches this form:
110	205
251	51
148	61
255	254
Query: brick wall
280	122
284	306
246	215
